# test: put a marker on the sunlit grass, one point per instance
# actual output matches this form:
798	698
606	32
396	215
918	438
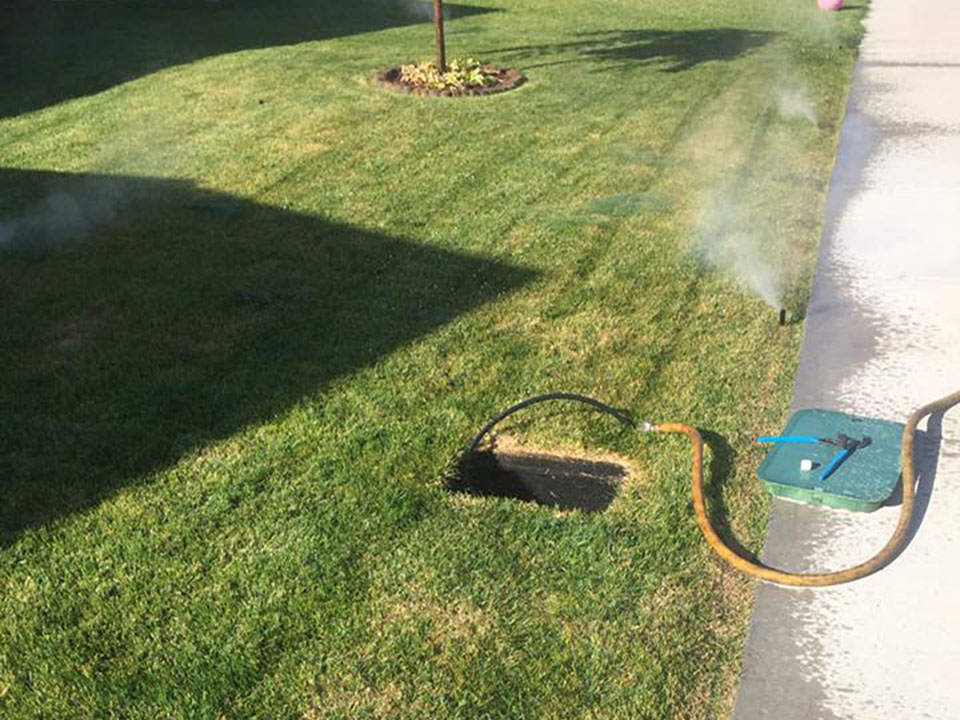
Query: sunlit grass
231	396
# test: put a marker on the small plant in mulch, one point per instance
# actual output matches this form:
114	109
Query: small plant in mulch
460	75
463	76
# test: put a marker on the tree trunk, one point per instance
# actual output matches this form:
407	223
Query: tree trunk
438	24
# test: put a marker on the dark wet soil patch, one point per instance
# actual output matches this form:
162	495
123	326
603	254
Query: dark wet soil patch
564	483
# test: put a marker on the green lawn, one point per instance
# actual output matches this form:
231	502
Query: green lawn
252	307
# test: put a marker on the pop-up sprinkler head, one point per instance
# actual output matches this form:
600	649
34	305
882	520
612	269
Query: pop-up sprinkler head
783	317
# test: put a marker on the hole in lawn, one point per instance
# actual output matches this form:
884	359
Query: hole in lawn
564	483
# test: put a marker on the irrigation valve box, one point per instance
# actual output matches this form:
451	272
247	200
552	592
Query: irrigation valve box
862	482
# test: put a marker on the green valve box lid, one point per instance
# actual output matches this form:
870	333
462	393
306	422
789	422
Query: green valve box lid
861	483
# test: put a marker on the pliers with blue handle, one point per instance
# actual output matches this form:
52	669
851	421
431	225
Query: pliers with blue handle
847	444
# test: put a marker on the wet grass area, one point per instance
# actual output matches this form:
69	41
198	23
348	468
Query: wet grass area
629	204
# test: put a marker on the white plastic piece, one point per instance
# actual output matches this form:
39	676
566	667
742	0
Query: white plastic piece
806	465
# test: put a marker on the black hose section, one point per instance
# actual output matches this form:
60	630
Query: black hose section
621	416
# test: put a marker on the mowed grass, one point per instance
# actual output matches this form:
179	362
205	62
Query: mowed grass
254	306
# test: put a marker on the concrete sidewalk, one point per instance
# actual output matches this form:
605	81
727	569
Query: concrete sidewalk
883	338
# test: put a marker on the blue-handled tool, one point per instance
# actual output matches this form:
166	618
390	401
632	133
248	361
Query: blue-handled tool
849	447
847	444
767	439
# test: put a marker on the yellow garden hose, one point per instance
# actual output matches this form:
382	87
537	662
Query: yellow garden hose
781	577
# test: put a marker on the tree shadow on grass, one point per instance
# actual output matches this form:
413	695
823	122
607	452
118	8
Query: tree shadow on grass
674	50
55	51
143	318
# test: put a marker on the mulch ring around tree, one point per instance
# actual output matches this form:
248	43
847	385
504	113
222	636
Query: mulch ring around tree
506	80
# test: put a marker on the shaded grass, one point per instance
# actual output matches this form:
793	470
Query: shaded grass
224	313
135	38
235	379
